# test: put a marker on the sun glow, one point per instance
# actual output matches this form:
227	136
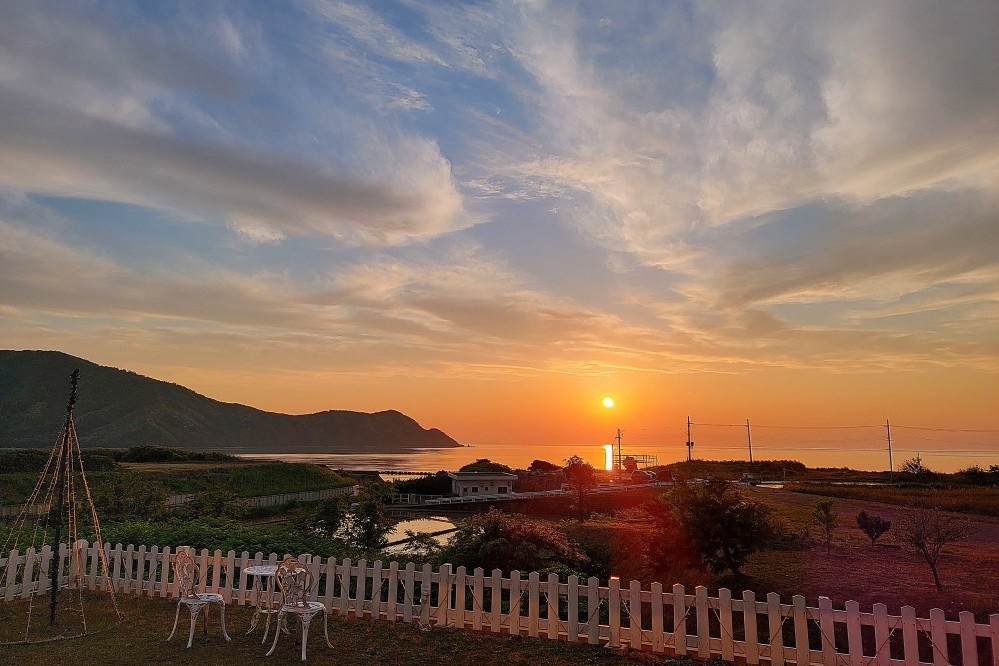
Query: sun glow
608	402
608	457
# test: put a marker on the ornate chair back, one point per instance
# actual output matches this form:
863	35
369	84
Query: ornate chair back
295	582
185	571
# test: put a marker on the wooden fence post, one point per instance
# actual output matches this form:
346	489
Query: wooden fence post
801	655
679	620
882	633
553	603
635	615
477	598
938	636
392	610
969	641
703	637
749	621
408	590
460	587
496	600
533	603
910	640
592	610
614	611
827	629
515	603
775	625
725	624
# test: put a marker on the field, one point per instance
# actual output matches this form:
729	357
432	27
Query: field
887	573
982	501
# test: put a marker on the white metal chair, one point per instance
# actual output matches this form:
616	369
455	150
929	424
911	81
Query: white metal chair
296	582
186	574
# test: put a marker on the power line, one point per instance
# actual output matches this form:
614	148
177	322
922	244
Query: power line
947	429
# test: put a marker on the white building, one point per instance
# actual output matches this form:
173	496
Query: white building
475	484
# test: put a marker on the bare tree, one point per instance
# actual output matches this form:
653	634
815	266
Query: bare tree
928	531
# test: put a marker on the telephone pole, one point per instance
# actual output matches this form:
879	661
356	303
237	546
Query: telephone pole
690	444
618	453
891	467
749	438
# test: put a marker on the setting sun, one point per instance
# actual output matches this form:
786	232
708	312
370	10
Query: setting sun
608	402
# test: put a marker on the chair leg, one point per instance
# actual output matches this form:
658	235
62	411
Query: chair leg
195	610
326	627
277	634
306	620
176	616
224	632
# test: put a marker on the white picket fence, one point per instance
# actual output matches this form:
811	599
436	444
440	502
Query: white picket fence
655	619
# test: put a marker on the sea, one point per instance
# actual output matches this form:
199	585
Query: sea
401	465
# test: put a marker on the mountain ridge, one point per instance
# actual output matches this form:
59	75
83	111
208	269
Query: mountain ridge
118	408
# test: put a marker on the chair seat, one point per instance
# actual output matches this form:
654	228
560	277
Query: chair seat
203	598
307	607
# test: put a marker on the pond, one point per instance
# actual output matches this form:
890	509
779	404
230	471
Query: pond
425	525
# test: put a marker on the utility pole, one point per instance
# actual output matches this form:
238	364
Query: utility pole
690	444
618	453
891	467
749	438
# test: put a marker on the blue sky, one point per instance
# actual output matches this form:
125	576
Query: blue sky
372	195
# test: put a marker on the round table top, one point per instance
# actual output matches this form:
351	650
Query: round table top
262	570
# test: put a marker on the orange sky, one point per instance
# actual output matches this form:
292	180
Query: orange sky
490	219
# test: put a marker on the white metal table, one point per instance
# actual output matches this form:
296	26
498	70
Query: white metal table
264	586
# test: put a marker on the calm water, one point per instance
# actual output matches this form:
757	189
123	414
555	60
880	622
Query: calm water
427	525
521	456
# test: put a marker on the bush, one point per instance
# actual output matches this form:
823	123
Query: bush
873	526
222	535
496	540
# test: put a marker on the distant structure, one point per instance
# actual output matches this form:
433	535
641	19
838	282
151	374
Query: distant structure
630	461
477	484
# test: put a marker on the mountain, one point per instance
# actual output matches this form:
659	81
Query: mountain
118	408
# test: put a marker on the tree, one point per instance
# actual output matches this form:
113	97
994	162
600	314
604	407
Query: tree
667	545
496	540
723	528
873	526
915	467
486	465
824	514
543	466
928	531
629	464
365	525
581	476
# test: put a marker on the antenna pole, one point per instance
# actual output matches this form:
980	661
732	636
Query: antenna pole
62	475
749	438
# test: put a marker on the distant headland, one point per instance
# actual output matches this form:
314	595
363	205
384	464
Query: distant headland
118	408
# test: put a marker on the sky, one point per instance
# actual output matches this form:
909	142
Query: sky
491	215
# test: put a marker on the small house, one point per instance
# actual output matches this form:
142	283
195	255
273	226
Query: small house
477	484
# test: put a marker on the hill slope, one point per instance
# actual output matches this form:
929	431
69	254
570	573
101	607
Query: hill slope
118	408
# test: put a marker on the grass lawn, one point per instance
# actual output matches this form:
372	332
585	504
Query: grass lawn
140	639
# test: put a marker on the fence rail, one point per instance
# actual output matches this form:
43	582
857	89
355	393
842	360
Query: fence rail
274	500
655	619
